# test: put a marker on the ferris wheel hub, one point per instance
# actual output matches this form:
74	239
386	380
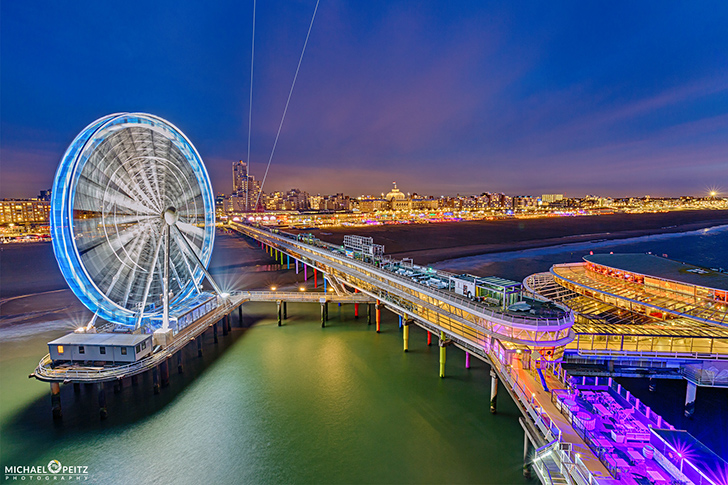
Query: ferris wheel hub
171	216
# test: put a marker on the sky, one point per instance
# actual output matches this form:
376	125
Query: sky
603	98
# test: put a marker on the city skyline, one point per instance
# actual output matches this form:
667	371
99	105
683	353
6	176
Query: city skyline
626	100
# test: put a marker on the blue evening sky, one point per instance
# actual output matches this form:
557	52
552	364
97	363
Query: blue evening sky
609	98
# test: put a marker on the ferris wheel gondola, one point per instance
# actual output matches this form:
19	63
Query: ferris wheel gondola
132	218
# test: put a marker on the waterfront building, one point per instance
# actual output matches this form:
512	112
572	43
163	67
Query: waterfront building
24	211
640	315
245	189
551	198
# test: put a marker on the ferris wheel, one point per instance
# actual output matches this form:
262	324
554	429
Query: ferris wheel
132	218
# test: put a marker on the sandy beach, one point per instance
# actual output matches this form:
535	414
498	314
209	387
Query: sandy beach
430	243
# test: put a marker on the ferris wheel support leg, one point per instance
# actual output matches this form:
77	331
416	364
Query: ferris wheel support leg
165	296
199	263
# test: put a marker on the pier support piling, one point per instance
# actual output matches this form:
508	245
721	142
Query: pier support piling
180	368
653	384
493	391
429	338
356	310
134	380
323	314
214	332
224	328
405	336
199	345
155	380
378	311
56	400
103	413
467	359
164	372
326	311
442	354
690	399
118	386
315	278
240	316
76	387
280	312
228	321
285	310
369	313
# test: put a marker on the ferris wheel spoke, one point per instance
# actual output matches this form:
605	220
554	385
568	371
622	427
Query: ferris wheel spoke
135	242
122	200
183	253
194	231
141	232
150	278
131	196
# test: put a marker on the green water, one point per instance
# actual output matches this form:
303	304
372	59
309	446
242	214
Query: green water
269	404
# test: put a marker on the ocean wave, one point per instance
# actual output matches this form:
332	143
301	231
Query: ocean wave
586	246
27	330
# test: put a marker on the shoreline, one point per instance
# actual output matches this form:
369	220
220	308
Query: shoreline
433	243
431	256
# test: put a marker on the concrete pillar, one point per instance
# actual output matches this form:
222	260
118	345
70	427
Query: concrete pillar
690	399
405	337
323	314
527	450
442	354
103	413
214	332
378	316
493	391
429	338
199	344
369	313
467	359
56	400
285	310
180	369
164	372
155	379
280	312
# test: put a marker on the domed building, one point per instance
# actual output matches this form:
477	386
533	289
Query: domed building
395	194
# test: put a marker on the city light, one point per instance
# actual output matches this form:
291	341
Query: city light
302	289
273	288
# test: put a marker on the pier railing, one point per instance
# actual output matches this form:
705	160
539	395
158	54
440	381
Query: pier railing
569	464
325	250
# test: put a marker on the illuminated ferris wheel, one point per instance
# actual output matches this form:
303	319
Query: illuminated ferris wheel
132	218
